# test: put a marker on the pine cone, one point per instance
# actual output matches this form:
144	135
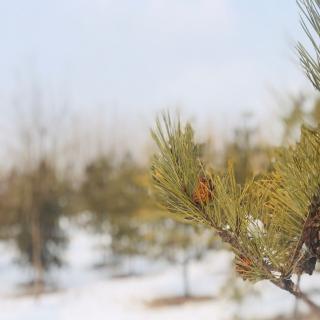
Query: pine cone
311	236
203	192
315	204
306	265
311	232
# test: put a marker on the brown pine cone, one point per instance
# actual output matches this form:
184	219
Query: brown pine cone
311	231
203	192
306	264
311	235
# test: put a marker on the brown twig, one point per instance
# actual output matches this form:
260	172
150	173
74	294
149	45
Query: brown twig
289	286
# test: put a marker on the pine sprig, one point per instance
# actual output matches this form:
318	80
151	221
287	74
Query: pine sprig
271	224
266	222
176	169
232	211
310	22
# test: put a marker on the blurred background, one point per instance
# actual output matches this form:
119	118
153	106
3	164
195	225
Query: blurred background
81	84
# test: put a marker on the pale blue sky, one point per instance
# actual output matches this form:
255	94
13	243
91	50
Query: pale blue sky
213	58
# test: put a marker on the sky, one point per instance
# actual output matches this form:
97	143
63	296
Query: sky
127	60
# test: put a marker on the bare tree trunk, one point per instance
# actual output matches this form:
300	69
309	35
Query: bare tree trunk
36	254
36	236
185	276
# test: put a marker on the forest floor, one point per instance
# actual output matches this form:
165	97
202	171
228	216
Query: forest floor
152	292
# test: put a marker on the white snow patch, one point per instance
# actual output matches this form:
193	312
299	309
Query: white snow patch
90	294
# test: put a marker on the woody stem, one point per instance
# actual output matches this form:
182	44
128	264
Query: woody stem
289	286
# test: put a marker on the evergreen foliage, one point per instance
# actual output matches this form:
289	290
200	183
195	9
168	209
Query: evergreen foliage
34	200
248	156
270	223
310	21
114	195
43	195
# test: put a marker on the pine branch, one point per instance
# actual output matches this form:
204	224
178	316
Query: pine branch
310	22
272	225
190	190
266	222
291	287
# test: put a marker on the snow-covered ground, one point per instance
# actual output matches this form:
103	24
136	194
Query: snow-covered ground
87	293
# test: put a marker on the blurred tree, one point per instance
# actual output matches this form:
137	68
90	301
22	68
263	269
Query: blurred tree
293	119
249	156
180	243
237	291
7	218
34	200
114	194
315	112
301	110
35	192
94	191
239	152
271	223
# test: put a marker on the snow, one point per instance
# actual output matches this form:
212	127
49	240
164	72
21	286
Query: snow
88	293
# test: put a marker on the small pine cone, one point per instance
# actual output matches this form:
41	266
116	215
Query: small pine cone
311	235
315	205
309	265
306	264
243	266
203	192
311	232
